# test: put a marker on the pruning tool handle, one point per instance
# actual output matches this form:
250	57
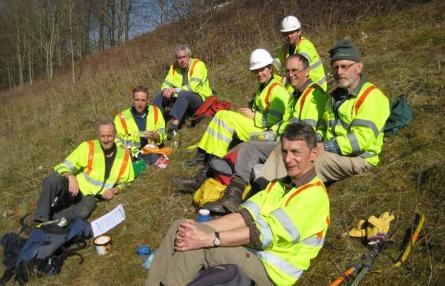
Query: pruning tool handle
348	272
420	220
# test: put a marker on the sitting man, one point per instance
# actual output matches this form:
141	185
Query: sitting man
184	89
306	105
297	44
284	226
139	125
95	170
351	130
266	112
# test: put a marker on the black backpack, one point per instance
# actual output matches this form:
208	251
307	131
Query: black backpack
43	253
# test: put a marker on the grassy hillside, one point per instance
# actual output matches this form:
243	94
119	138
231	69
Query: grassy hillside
403	49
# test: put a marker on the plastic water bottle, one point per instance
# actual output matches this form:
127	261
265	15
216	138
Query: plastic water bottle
175	140
143	251
203	216
149	260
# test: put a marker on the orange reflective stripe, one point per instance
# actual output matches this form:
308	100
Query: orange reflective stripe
305	187
303	99
123	122
155	114
90	157
174	69
271	185
269	91
363	97
192	68
123	166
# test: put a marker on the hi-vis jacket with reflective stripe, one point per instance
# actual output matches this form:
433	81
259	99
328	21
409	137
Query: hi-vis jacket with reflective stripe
127	129
307	108
307	49
87	163
292	225
197	80
357	124
270	104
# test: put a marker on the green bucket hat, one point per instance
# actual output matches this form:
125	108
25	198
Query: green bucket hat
344	50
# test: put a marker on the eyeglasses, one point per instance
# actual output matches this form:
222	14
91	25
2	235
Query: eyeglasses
336	68
293	71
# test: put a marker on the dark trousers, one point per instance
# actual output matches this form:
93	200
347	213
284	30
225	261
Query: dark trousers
185	102
56	202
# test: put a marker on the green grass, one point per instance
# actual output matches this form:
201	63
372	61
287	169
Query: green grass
403	51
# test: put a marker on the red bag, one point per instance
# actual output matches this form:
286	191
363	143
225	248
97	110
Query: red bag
211	106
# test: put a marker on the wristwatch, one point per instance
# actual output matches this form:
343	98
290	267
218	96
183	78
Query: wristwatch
216	239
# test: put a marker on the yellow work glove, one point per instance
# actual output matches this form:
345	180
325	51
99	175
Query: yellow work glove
358	231
378	227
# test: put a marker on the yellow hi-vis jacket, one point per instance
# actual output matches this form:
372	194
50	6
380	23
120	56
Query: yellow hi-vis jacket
197	80
307	49
128	131
270	104
307	109
292	223
87	163
357	125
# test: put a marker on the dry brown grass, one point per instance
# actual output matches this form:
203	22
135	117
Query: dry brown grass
403	47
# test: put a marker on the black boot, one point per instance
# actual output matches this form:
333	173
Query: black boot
231	199
190	185
201	158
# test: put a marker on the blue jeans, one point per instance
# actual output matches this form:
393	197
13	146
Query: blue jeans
186	101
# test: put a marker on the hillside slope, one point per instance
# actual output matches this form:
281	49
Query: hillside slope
403	48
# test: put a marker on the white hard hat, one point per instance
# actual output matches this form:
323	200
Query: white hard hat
259	59
289	24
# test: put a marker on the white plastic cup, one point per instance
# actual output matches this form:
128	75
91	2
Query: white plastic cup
103	244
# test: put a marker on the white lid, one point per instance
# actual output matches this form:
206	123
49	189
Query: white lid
204	212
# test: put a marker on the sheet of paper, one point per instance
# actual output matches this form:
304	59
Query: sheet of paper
108	221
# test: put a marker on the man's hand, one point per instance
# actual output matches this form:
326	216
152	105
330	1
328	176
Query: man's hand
73	188
247	112
152	135
190	237
110	193
168	92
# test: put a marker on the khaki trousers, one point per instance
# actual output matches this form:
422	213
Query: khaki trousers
175	268
329	166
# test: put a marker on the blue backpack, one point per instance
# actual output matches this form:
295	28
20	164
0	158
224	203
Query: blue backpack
43	253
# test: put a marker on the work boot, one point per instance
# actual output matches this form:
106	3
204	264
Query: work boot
201	158
190	185
231	199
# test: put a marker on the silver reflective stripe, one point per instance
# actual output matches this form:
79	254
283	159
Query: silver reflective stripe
366	123
160	130
354	143
197	79
294	120
265	230
345	125
330	123
279	263
367	155
188	87
252	207
315	65
168	83
277	64
221	123
69	165
322	80
218	136
92	181
313	241
310	122
306	55
287	223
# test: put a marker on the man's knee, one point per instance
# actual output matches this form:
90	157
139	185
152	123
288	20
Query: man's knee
54	180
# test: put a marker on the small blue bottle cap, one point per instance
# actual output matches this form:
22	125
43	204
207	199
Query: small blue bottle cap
143	250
